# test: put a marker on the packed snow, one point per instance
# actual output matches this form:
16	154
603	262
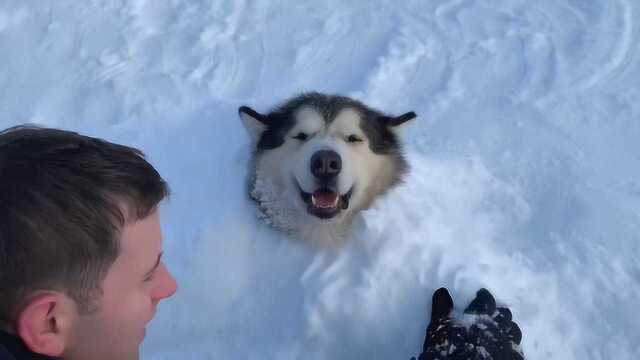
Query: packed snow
525	162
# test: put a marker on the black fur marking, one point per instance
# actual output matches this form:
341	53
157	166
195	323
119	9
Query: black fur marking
382	140
278	125
329	106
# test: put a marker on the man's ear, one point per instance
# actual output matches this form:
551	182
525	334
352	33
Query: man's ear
44	325
394	123
254	122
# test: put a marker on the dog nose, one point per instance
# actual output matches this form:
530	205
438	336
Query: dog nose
326	164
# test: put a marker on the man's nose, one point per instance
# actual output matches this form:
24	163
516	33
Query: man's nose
166	287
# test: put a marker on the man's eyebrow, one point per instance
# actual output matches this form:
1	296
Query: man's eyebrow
154	266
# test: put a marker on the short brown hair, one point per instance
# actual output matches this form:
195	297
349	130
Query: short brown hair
64	198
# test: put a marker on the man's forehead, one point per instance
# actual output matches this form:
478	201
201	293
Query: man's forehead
142	234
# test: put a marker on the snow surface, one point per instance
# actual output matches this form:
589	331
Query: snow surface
525	155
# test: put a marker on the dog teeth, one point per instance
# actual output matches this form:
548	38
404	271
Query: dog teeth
314	202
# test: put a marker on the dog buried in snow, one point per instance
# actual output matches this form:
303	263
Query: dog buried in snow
318	160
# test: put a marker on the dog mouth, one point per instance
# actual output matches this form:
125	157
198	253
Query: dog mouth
325	203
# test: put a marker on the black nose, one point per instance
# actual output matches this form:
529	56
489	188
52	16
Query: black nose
326	164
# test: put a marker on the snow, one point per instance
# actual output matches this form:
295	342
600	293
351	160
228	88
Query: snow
525	161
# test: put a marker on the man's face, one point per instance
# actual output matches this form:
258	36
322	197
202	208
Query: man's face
131	290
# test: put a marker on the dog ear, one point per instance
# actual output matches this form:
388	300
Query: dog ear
254	122
399	120
396	124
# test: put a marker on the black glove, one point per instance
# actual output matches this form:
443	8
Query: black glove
487	332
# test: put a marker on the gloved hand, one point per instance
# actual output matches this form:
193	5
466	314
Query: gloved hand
486	332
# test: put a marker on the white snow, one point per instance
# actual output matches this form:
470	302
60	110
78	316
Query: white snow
525	155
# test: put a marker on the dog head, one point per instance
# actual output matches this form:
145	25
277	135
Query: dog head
326	156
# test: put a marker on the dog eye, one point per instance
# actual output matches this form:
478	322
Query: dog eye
354	139
301	136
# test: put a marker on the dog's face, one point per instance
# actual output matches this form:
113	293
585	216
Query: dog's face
326	157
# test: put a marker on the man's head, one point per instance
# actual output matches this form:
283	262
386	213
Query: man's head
80	243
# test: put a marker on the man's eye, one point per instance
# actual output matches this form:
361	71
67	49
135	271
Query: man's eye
354	139
150	277
301	136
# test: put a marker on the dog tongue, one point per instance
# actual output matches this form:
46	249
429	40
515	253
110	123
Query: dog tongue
325	198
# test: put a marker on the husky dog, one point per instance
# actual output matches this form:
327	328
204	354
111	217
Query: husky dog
318	160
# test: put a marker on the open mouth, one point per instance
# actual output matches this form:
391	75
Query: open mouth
325	203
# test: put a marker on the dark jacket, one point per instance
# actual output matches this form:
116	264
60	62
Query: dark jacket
12	348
